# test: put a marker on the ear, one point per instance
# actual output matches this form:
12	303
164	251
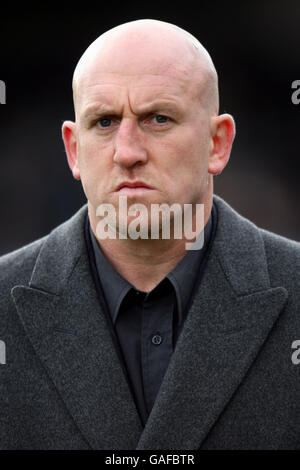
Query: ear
70	141
223	133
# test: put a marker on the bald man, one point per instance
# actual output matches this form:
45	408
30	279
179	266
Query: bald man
125	331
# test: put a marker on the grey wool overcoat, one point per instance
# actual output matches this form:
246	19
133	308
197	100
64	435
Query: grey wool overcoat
231	382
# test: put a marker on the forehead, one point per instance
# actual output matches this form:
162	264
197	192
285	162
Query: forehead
117	89
109	84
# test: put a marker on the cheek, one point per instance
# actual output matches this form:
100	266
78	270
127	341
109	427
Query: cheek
93	162
188	165
189	152
92	155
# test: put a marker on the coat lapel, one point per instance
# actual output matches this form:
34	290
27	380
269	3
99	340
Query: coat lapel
61	314
231	316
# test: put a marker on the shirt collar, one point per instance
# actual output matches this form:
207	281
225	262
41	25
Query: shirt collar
182	276
114	285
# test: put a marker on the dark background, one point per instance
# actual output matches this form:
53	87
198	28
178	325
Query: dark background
256	49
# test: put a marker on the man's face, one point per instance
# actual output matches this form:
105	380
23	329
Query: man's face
146	123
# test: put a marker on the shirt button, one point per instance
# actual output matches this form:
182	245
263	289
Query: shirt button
156	339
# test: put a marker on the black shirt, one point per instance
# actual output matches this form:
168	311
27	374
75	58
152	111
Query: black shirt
145	326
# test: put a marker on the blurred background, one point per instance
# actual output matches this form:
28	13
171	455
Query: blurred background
255	47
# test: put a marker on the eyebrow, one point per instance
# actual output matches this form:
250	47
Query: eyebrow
95	111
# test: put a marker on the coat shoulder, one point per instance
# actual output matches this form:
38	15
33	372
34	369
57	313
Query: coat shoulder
256	254
283	258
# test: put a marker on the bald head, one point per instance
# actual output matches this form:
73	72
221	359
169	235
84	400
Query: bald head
149	47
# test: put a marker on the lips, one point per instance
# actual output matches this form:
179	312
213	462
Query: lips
135	184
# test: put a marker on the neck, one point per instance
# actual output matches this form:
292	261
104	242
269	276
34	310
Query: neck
144	262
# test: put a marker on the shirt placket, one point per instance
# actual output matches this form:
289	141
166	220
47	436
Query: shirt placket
156	342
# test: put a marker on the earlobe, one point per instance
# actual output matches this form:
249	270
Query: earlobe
70	141
223	133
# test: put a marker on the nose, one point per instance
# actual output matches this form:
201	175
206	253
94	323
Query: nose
129	145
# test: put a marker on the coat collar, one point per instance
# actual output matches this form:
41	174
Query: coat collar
232	313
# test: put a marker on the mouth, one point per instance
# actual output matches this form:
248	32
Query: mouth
133	188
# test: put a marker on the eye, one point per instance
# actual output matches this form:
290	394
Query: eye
161	119
104	122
